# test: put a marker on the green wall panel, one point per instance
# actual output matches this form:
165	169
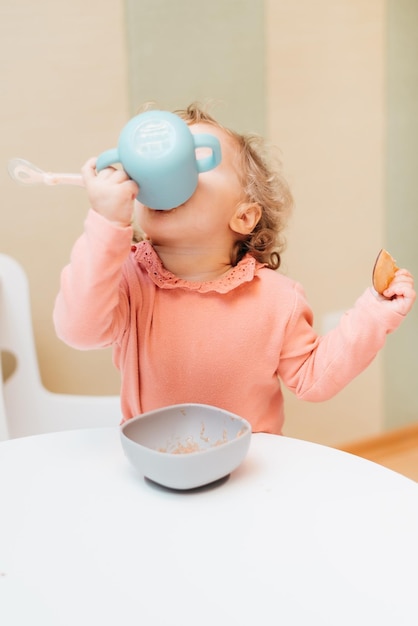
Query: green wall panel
189	50
401	356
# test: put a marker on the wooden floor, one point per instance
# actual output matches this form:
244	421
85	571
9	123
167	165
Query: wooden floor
397	450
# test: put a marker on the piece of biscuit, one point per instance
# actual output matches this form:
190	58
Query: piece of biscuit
384	271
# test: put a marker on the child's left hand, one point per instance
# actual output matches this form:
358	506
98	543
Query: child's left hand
400	295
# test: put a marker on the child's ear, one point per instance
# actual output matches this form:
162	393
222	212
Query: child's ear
245	218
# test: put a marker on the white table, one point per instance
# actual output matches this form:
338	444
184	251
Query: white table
299	535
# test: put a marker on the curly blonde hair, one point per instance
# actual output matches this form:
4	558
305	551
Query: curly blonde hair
262	184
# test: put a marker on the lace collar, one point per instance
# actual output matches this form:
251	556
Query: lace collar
146	256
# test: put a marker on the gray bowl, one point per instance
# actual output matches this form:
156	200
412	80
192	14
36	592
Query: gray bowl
185	446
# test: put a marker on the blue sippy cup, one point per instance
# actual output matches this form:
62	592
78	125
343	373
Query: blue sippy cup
157	150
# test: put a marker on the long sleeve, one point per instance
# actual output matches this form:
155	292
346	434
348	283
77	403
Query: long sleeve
90	307
316	367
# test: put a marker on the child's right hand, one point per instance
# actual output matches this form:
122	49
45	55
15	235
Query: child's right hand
111	192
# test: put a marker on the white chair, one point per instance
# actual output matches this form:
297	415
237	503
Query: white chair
26	406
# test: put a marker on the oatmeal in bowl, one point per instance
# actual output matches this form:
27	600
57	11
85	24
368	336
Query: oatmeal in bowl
186	446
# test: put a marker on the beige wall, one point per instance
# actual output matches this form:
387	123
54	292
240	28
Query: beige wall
63	77
326	111
309	75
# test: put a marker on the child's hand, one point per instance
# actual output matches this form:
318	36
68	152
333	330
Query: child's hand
400	294
111	192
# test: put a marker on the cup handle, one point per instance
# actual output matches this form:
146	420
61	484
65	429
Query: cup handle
107	158
205	140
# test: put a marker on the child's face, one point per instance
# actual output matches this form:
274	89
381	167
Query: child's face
205	217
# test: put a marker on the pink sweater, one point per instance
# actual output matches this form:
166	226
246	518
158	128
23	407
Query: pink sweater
227	342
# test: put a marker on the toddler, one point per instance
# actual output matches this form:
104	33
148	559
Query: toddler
195	312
